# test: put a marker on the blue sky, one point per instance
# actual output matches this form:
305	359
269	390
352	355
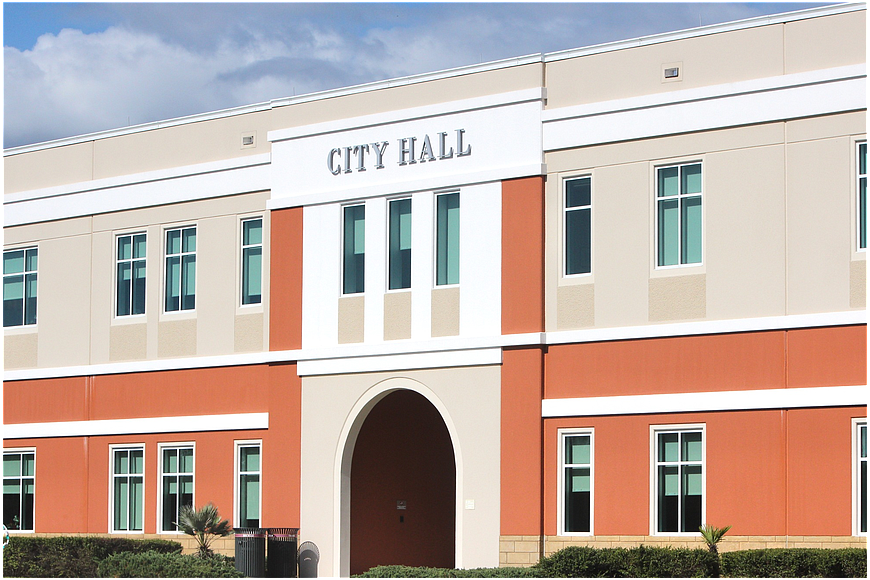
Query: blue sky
74	68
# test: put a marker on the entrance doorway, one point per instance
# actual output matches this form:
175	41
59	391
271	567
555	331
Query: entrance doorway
403	487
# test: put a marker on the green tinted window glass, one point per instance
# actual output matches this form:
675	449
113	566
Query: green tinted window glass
669	449
170	461
13	262
400	244
669	232
668	181
28	464
354	249
447	242
185	460
252	232
690	178
691	230
11	465
692	447
249	459
577	449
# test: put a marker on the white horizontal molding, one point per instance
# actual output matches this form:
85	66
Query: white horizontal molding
184	424
400	362
804	397
756	101
244	175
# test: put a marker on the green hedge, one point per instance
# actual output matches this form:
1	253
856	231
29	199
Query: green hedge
796	563
157	565
640	562
421	572
70	556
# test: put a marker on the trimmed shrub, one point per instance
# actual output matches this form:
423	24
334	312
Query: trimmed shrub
796	563
161	565
422	572
70	556
640	562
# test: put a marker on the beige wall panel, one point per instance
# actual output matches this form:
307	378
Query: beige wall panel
706	60
473	416
48	167
64	301
397	315
176	338
181	212
826	126
47	230
128	342
552	242
445	312
621	207
576	304
819	43
858	284
181	145
216	293
819	192
20	350
665	147
744	218
351	319
677	298
154	287
249	334
102	295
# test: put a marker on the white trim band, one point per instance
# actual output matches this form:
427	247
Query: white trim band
706	401
185	424
400	362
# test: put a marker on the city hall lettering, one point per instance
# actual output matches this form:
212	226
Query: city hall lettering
354	157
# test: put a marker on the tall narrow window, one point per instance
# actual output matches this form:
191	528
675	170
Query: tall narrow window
180	269
18	489
354	249
128	506
252	261
249	485
678	214
400	244
862	195
861	473
679	461
19	287
176	475
578	226
577	483
130	275
447	240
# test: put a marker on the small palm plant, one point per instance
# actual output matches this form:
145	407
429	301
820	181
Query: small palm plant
713	535
204	524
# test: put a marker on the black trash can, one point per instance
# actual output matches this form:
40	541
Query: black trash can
281	548
309	556
251	552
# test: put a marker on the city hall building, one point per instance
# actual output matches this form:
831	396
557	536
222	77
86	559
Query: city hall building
465	318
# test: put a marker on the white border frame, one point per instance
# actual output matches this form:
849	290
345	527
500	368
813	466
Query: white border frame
654	430
178	314
435	196
342	207
25	450
679	164
114	304
237	445
562	434
242	218
160	448
856	197
563	220
112	449
390	200
856	474
24	328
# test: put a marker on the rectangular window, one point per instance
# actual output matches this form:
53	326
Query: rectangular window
18	489
354	249
679	482
577	483
447	239
176	480
249	485
130	275
861	476
578	226
19	287
180	291
678	214
252	261
400	244
128	506
862	196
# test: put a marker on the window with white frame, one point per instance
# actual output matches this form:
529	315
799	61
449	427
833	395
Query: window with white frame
861	477
130	275
252	261
578	226
447	239
400	244
576	467
678	480
862	195
248	484
180	292
354	260
678	214
18	489
19	287
176	483
128	486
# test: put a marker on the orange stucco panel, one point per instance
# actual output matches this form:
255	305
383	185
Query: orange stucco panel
44	400
285	308
830	356
522	263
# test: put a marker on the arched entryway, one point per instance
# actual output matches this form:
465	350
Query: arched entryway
402	486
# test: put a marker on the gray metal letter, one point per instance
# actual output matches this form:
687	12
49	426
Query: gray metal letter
459	151
347	151
406	149
427	151
360	151
442	137
329	163
379	149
